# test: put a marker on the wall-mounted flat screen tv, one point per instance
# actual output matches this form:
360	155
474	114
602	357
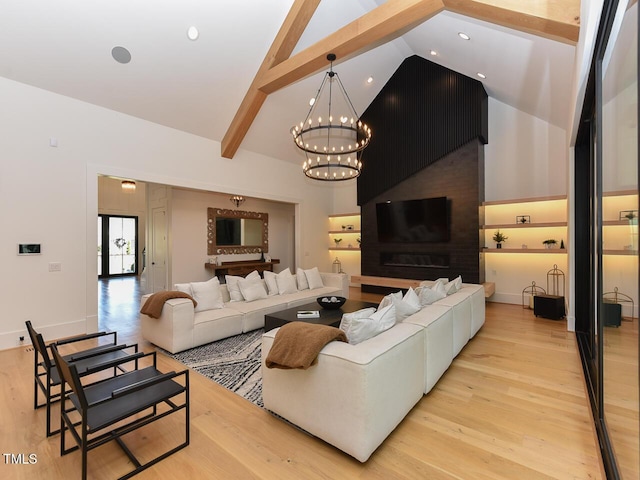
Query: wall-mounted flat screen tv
413	221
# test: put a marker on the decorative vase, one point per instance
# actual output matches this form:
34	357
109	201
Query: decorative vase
498	245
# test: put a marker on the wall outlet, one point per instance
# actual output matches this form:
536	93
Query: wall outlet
55	266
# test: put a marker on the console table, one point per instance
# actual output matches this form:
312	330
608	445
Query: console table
241	268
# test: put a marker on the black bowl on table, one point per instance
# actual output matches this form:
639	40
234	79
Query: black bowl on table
331	302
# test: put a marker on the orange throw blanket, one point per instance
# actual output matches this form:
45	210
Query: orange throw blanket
297	344
153	305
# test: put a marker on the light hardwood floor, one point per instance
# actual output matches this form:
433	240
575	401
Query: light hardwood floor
512	406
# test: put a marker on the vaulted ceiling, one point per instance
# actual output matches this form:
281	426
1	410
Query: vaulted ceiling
269	53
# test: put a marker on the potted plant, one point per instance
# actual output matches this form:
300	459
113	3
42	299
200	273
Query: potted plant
550	242
337	240
499	237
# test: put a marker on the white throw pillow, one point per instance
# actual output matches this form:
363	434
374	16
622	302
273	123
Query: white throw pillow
350	320
183	287
407	305
270	280
286	282
453	286
387	300
234	288
314	278
428	295
303	283
360	328
252	289
207	295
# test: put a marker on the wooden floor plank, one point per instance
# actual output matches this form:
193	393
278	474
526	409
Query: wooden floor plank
512	405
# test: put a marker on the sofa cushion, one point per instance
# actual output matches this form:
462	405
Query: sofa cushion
234	288
407	305
271	282
454	285
301	278
387	299
207	295
314	278
183	287
365	324
428	295
286	282
252	289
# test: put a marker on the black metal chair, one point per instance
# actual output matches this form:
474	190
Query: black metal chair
46	377
113	407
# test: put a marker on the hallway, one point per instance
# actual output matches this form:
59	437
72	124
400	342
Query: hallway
119	305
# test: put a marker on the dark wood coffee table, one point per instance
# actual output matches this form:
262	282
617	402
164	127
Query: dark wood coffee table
327	317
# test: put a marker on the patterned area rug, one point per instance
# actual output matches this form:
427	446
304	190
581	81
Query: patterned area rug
233	362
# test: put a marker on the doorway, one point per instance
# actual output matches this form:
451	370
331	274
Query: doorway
117	245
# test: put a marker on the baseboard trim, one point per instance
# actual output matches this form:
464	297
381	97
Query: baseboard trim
49	333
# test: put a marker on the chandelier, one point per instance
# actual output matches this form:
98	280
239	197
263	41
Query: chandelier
237	200
332	142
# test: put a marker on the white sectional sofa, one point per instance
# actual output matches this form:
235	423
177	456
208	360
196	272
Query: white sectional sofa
180	327
356	395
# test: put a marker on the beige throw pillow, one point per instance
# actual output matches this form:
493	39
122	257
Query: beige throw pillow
207	295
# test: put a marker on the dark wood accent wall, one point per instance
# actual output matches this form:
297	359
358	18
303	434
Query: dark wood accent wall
429	128
460	177
424	112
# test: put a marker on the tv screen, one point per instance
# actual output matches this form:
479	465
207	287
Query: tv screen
413	221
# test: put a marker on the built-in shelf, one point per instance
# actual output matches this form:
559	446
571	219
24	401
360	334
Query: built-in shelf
620	252
525	200
350	234
525	250
526	225
622	223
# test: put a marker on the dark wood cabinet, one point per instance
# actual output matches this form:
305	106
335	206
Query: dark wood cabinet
241	268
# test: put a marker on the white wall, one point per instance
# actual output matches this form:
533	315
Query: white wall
189	233
525	157
48	195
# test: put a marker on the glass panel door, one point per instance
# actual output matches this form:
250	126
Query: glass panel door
117	248
618	306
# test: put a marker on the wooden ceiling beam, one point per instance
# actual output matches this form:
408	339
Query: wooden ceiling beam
388	21
557	20
286	40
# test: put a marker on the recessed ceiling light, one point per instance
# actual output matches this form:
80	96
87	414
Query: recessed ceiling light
370	80
121	54
481	75
433	52
312	101
464	36
193	33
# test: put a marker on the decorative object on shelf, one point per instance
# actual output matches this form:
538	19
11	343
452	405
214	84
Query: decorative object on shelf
349	227
359	240
333	144
344	227
616	297
499	237
128	185
237	200
555	281
331	303
530	292
524	246
523	219
350	246
549	243
628	214
337	241
562	244
337	266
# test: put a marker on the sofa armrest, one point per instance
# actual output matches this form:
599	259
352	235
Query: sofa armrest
336	280
355	395
173	331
